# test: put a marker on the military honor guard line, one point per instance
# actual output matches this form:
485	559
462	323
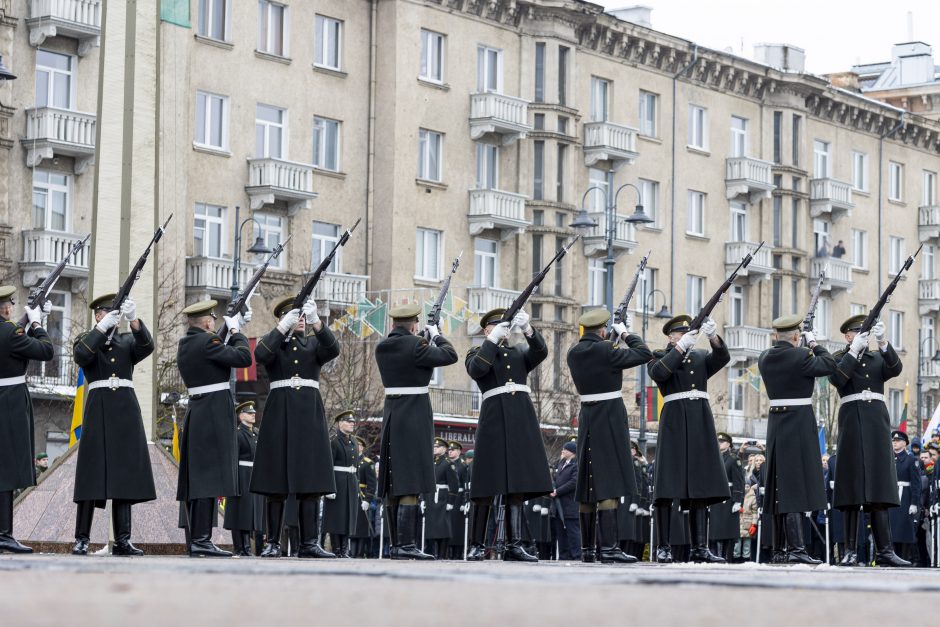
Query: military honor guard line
290	485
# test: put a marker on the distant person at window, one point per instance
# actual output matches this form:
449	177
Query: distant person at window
839	250
823	250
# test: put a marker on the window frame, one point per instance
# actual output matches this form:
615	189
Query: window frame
739	143
600	99
324	47
326	244
428	142
484	262
207	121
50	81
219	223
264	152
860	171
320	147
431	55
204	23
649	114
698	127
860	249
421	249
266	229
266	43
694	301
50	190
895	181
483	70
696	209
822	159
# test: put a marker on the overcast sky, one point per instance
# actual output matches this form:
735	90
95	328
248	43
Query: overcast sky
836	34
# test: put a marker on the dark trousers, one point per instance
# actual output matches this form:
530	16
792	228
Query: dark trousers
569	538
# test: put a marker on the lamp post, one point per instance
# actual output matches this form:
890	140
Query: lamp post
664	314
5	73
920	378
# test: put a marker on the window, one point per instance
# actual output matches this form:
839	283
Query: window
649	114
328	43
563	124
489	70
538	169
600	99
821	229
538	217
895	181
597	280
560	173
895	406
487	166
325	237
736	390
562	74
822	168
432	56
559	279
794	294
859	171
776	296
930	189
58	326
645	286
778	221
895	254
214	20
272	232
54	73
823	321
778	134
536	252
649	196
698	127
50	201
269	132
929	255
538	121
736	306
859	248
895	328
211	120
540	72
694	292
272	28
795	219
485	262
738	222
436	377
601	179
326	144
208	229
428	254
429	155
928	328
696	221
856	309
738	136
795	139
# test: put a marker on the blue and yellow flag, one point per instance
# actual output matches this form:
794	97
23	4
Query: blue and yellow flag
176	440
78	409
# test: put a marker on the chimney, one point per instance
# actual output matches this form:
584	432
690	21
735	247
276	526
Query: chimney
639	15
781	56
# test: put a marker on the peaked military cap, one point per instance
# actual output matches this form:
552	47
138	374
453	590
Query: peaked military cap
900	435
248	407
361	442
853	324
492	316
594	318
408	311
283	306
7	292
344	416
787	323
724	437
679	323
440	442
454	445
102	302
202	308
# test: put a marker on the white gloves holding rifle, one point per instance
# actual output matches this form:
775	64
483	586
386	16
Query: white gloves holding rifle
499	332
288	321
432	332
129	309
709	328
107	323
521	321
879	331
620	329
859	344
687	341
310	312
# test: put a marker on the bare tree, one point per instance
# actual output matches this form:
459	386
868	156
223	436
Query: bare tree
351	381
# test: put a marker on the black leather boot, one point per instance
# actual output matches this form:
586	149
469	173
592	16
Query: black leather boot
850	528
515	552
663	513
588	536
778	539
610	549
245	542
84	513
121	519
477	550
340	545
698	528
391	519
796	549
201	520
884	550
274	513
310	547
407	517
7	542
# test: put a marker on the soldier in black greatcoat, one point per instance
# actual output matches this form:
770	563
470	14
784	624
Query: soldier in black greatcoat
903	519
867	477
688	464
209	449
605	466
458	516
340	510
113	462
361	539
724	519
510	455
406	363
244	514
793	472
440	503
17	347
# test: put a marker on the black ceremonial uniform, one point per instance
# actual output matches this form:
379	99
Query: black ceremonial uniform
437	518
724	524
458	519
245	513
903	524
365	528
339	513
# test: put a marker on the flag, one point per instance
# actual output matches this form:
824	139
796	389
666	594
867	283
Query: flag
78	409
822	440
251	372
933	424
903	426
176	439
654	403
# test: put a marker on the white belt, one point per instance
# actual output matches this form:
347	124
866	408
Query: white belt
111	382
867	395
206	389
730	484
509	388
603	396
790	402
406	391
678	396
350	469
441	486
901	486
248	464
295	382
12	381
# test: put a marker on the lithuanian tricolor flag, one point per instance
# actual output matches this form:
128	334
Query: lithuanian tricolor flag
78	409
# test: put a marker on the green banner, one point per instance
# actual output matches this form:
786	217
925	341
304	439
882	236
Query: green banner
175	12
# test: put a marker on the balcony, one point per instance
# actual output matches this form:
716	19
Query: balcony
606	141
929	223
212	278
271	180
838	273
59	132
339	289
928	298
834	345
930	373
595	239
760	267
742	426
746	342
55	379
42	250
448	403
748	178
77	19
483	299
494	209
499	114
828	196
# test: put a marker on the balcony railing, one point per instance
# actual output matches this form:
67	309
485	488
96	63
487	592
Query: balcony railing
55	378
929	223
838	273
746	342
749	178
741	426
834	344
462	403
51	131
595	238
77	19
761	265
930	371
829	196
500	114
495	209
606	141
213	277
271	180
336	288
928	296
483	299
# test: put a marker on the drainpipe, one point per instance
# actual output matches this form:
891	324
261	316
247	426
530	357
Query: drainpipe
370	160
672	209
881	213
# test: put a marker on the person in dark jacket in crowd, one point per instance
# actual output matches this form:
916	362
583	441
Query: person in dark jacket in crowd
567	528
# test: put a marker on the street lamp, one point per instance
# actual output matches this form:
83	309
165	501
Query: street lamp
920	378
258	248
5	73
663	314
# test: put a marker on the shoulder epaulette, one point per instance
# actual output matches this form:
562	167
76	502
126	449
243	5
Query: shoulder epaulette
472	350
367	460
659	353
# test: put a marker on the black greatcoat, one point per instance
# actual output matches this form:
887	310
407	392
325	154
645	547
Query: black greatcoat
723	524
294	453
457	516
113	462
605	464
208	450
903	525
688	464
793	470
437	518
17	347
509	453
407	360
339	514
866	460
367	485
245	512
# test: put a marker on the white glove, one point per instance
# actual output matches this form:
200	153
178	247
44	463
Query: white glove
933	509
34	314
331	496
466	508
634	507
499	332
808	337
628	322
364	505
536	508
244	318
687	341
449	507
735	508
912	510
879	331
310	312
646	512
620	329
859	344
433	331
423	507
233	323
129	309
545	511
808	514
521	321
107	323
46	308
709	328
288	321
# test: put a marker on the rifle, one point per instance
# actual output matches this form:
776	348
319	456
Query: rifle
716	297
875	312
620	313
39	294
811	312
240	303
134	275
521	299
311	283
434	316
